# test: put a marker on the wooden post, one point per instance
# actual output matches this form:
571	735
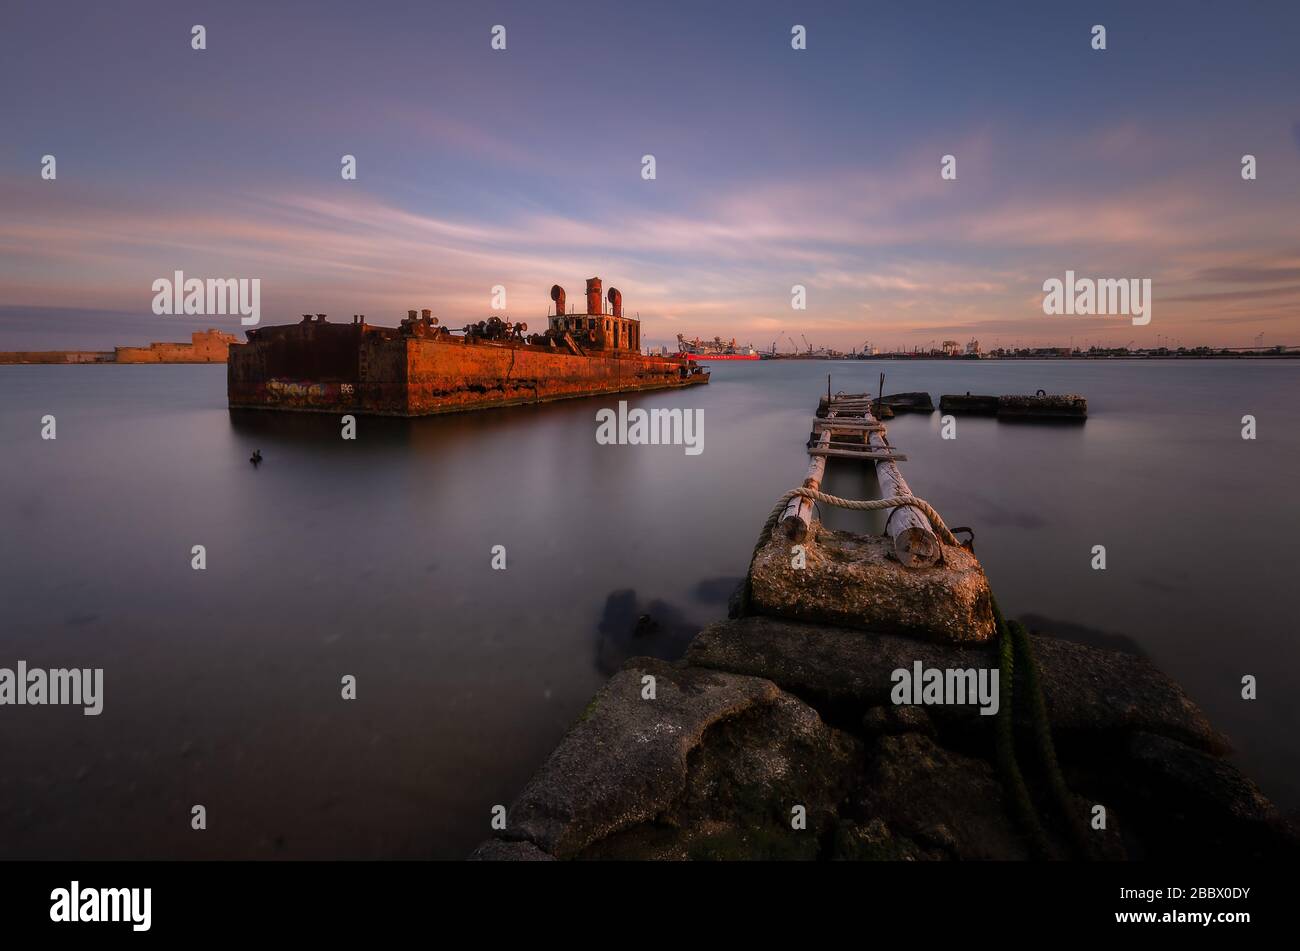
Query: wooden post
797	518
915	544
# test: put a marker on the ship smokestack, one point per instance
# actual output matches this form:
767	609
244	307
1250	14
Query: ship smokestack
616	301
593	296
557	295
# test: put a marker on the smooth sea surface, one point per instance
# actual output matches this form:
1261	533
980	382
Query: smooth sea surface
372	558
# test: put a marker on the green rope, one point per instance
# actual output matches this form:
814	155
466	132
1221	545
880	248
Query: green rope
1013	781
1043	744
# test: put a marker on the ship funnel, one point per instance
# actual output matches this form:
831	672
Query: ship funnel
616	301
557	295
594	303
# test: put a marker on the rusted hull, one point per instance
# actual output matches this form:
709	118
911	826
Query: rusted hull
341	369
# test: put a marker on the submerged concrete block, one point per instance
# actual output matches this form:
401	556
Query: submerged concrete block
853	580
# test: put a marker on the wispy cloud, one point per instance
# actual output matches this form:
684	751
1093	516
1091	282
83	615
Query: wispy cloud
885	250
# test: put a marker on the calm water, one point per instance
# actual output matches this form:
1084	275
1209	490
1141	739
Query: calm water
372	558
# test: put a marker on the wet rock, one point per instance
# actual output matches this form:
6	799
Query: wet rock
1079	634
853	581
835	666
733	744
897	719
1197	803
1086	690
1100	845
629	629
743	784
503	850
1098	690
939	799
874	842
711	744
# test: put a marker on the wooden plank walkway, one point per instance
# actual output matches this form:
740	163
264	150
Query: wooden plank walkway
849	416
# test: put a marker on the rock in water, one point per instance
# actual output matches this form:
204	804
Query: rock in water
725	757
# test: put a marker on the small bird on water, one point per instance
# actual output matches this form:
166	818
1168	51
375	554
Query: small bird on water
256	457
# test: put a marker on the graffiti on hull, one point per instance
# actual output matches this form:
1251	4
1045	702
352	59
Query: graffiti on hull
296	391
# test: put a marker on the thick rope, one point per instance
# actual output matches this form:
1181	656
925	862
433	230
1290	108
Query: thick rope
1043	745
869	505
1013	780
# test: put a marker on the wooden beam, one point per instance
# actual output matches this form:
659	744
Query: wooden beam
797	518
915	544
845	443
838	425
869	455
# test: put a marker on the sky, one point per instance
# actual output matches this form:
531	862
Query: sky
774	167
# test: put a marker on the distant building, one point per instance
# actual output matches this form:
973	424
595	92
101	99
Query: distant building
951	348
973	347
206	346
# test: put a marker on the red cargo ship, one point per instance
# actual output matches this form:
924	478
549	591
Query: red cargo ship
706	351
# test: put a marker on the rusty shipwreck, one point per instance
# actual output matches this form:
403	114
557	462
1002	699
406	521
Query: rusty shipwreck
420	368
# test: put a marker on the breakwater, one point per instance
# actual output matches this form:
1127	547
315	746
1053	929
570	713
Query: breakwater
785	731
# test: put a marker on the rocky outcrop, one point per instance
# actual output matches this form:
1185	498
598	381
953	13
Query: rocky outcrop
1087	690
775	738
947	802
1098	691
1176	789
681	747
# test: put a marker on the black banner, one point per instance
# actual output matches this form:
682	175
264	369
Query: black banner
329	900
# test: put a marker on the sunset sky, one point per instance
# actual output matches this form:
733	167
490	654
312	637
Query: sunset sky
775	167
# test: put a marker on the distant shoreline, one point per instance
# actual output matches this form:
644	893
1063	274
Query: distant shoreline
1042	357
207	346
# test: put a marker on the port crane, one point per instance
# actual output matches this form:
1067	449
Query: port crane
806	343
